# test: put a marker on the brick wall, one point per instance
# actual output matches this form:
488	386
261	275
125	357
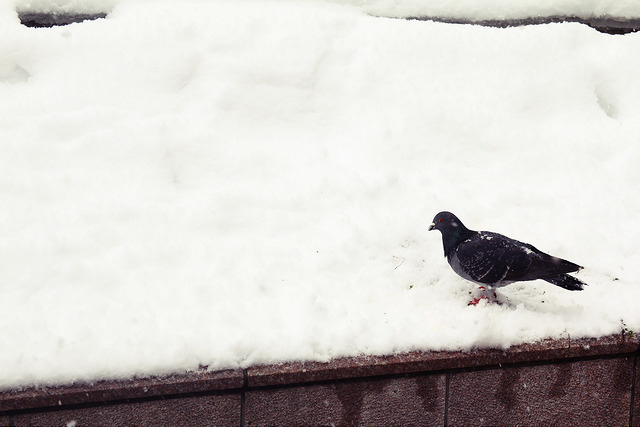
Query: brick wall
554	382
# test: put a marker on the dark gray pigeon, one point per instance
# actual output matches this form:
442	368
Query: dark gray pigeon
493	260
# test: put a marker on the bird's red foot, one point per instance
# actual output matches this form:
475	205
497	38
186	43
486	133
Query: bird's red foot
490	298
475	301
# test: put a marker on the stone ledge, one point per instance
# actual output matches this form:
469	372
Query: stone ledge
603	24
119	390
51	19
300	373
419	361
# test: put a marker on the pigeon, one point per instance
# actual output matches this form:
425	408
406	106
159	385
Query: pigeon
493	260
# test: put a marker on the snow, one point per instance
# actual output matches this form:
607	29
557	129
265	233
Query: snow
475	10
225	183
64	6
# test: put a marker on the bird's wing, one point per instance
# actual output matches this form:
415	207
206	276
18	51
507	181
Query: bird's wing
492	258
530	263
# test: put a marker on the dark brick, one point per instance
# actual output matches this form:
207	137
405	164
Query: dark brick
592	392
636	404
408	400
201	411
5	421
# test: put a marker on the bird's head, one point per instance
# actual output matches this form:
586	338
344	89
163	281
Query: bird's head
446	221
453	231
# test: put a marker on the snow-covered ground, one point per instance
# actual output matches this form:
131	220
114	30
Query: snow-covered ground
233	182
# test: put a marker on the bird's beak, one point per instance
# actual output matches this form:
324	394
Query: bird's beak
432	226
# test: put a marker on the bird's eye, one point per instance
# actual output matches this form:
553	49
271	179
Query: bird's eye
441	220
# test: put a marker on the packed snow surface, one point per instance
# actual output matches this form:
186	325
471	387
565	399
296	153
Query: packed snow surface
227	183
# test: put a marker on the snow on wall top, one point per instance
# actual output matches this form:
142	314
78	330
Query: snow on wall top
474	10
65	6
241	182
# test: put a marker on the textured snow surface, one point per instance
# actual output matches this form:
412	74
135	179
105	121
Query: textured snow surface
477	10
227	183
460	9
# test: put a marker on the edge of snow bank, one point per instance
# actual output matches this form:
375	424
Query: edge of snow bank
605	24
287	374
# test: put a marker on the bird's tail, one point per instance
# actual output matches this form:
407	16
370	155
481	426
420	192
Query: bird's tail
567	282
